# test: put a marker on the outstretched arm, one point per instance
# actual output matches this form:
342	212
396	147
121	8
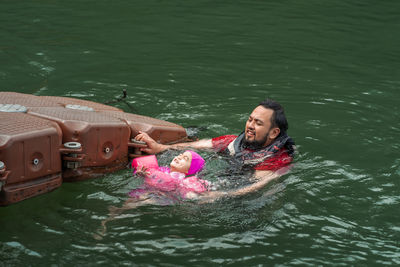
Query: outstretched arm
153	147
262	178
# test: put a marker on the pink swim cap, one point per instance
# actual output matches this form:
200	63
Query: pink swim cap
197	163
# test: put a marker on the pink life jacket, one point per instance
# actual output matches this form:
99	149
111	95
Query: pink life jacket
165	180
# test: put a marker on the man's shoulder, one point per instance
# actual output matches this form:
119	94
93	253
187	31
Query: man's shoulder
229	137
220	143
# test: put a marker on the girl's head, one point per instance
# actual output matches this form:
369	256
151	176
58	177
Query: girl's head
188	163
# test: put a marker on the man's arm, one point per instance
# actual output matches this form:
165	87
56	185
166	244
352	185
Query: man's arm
262	179
154	148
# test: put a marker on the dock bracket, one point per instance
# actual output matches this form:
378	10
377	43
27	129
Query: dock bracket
72	155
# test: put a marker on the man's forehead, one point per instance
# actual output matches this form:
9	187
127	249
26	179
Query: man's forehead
261	113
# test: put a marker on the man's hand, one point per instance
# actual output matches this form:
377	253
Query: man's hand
152	146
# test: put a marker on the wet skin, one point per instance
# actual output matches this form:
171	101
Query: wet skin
258	127
181	163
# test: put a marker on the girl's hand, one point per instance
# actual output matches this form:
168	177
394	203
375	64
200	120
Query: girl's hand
142	171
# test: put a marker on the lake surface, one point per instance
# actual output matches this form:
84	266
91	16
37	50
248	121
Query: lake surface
333	65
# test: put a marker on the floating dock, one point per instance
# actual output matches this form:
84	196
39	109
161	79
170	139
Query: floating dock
47	140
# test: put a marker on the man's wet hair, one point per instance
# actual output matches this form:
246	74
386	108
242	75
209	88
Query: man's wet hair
278	118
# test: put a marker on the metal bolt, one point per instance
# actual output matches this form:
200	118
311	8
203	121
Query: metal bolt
73	145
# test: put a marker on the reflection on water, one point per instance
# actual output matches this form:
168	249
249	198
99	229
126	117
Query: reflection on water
205	65
313	205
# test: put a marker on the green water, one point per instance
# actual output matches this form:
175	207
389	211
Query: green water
335	67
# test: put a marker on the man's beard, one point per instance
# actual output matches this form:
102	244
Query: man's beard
255	145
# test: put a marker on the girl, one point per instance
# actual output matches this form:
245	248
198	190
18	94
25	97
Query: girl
176	179
163	185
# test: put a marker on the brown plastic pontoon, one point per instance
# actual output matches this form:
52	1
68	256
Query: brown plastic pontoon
45	140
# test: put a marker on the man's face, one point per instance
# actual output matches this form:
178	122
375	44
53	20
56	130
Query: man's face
258	132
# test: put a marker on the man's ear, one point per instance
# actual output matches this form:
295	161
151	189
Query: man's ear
274	133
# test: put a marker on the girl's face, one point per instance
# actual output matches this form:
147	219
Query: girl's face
181	163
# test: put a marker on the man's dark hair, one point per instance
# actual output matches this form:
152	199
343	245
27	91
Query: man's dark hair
278	118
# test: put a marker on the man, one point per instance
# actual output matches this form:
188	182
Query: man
264	146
